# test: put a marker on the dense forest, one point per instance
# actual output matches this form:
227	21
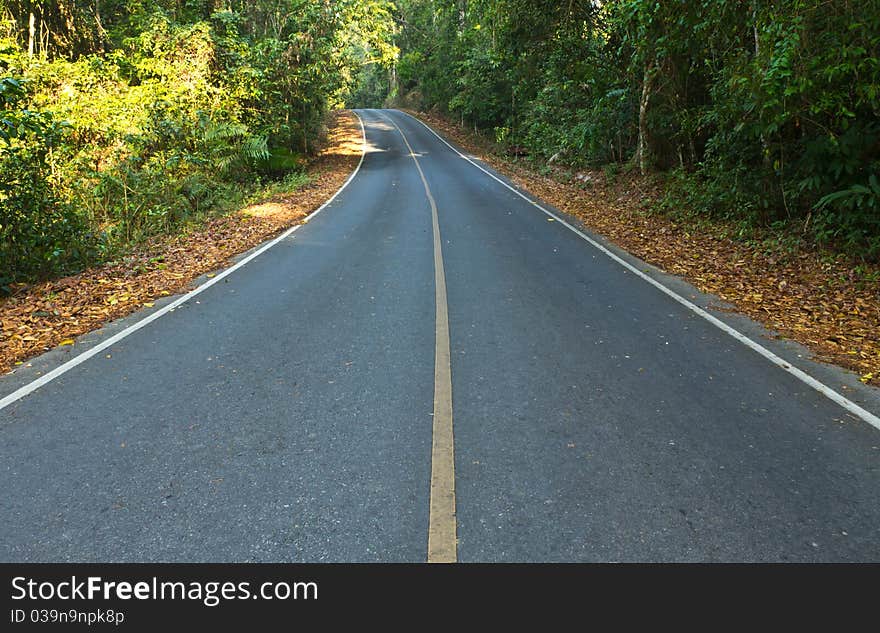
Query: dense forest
124	119
764	113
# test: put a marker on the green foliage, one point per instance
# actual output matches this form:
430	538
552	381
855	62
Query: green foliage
481	90
372	88
767	112
293	181
40	234
121	121
124	120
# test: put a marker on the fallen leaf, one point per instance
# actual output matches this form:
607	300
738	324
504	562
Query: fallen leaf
67	341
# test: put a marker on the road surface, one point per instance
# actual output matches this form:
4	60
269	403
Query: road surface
432	356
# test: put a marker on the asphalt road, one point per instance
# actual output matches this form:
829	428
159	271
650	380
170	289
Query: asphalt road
286	412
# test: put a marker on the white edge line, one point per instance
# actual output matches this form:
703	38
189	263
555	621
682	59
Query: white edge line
804	377
21	392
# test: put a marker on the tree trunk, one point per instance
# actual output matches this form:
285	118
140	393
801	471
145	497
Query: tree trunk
31	32
643	151
394	87
766	150
99	28
755	30
305	132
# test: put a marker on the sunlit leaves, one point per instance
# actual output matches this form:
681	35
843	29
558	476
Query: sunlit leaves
174	111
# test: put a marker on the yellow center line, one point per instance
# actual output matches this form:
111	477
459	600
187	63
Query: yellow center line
442	541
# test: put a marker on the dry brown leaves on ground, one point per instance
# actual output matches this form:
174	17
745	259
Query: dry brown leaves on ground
40	317
809	297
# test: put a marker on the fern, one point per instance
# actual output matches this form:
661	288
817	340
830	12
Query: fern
255	148
215	131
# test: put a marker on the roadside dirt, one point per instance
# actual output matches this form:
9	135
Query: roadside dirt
812	297
42	316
